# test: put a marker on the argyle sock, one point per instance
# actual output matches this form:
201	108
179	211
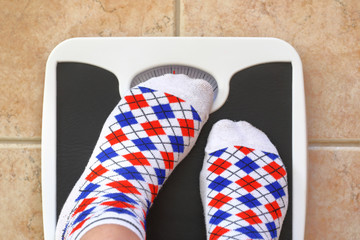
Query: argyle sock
149	132
243	184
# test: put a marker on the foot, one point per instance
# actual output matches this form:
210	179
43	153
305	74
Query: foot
243	184
145	137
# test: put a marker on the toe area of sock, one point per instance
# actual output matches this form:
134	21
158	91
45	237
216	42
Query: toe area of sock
197	92
227	133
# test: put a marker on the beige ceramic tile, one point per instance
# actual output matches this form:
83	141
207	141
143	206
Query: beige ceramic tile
29	30
334	194
326	33
20	198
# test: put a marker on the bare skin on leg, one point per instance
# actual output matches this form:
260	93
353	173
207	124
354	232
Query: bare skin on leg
110	232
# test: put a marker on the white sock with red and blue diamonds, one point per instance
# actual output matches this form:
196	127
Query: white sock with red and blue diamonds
243	184
145	137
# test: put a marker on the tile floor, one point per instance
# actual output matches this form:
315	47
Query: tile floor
326	34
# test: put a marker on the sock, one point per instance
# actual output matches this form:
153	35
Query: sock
149	132
243	184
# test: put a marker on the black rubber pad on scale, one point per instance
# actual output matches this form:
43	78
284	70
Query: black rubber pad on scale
261	95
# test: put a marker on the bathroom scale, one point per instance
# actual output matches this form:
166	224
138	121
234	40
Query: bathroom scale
259	80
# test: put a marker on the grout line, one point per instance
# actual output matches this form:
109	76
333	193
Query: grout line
12	143
177	18
20	138
20	141
331	148
335	140
334	143
20	145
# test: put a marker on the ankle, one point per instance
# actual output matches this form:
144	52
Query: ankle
110	232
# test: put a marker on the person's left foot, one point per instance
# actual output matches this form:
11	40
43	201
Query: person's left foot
243	184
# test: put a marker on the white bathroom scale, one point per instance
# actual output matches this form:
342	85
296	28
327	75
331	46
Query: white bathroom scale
259	80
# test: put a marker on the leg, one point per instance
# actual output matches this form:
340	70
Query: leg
110	232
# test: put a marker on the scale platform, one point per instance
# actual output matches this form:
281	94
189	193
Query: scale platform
260	80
